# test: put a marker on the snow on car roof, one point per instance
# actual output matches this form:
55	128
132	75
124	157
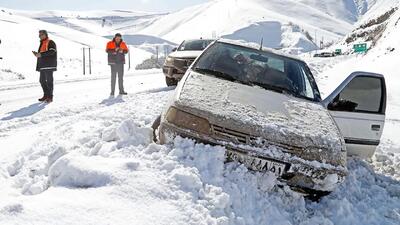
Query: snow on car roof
257	47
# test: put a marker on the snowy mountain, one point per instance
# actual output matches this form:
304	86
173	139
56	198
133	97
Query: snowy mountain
347	10
321	20
291	28
250	20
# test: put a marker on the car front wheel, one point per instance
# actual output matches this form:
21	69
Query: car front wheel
171	81
155	126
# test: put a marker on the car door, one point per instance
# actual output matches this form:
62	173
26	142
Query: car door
358	106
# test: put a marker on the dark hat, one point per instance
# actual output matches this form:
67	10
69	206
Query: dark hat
44	32
118	35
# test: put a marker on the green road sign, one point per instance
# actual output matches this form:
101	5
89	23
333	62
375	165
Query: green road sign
338	51
360	47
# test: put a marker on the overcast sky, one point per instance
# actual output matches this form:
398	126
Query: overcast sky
143	5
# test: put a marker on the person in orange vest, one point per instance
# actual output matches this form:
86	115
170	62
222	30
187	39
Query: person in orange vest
117	49
46	65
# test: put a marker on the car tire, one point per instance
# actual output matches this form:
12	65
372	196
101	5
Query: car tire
171	81
155	126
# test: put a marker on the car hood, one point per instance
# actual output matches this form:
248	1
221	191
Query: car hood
276	117
185	54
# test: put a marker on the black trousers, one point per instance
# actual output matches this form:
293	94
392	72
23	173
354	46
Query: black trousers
117	69
46	80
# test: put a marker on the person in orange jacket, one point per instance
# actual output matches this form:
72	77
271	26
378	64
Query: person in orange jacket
117	49
46	65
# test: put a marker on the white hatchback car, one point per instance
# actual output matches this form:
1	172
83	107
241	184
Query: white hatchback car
266	109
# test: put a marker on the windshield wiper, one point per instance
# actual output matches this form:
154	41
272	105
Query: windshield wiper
216	73
278	89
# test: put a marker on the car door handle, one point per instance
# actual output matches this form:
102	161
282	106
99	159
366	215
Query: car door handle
375	127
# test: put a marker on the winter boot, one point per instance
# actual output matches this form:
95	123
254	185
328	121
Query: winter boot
42	99
49	99
123	93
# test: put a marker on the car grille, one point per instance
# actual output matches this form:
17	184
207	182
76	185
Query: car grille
189	62
235	136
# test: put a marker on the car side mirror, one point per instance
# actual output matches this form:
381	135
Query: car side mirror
174	49
343	105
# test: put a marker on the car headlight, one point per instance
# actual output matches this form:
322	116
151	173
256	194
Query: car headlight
188	121
169	59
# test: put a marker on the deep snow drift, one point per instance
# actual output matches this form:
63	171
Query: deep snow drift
96	164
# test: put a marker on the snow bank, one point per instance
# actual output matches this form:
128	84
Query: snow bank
130	180
252	198
80	172
128	132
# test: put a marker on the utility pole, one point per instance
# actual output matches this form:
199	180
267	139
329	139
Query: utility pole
129	58
157	53
315	38
84	60
84	63
90	62
0	56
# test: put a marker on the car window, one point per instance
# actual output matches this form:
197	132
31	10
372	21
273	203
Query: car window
194	45
362	94
254	67
277	64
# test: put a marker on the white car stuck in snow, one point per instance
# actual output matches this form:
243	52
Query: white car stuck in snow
266	109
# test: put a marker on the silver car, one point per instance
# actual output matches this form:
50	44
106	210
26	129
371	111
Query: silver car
181	58
266	109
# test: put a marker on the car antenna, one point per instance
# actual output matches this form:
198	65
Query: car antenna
261	44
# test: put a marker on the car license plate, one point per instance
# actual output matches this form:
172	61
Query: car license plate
257	164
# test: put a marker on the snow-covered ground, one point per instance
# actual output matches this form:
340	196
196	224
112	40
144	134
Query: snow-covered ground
89	159
19	38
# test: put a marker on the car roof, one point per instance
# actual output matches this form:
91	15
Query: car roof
257	47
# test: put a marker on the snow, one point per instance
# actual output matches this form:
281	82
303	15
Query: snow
89	159
19	64
97	164
279	25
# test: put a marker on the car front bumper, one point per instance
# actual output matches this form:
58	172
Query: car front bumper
301	175
177	67
174	72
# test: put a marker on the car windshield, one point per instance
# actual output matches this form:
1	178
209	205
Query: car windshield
259	68
194	45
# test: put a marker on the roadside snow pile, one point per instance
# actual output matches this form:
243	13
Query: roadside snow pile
128	132
99	167
152	63
387	161
85	172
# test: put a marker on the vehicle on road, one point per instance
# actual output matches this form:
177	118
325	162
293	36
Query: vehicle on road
266	109
181	58
325	54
